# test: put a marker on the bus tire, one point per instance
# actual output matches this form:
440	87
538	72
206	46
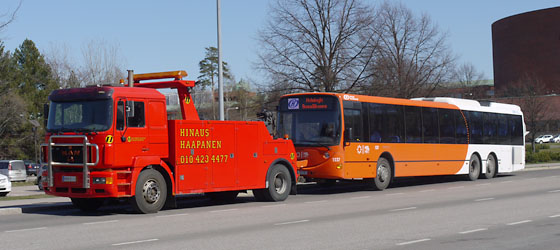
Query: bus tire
87	204
151	192
474	168
383	176
225	196
279	185
491	167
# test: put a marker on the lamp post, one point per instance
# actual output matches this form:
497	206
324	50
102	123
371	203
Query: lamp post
227	112
35	126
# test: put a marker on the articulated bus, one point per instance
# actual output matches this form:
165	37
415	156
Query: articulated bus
346	137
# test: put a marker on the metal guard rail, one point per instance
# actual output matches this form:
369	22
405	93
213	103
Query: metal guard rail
84	164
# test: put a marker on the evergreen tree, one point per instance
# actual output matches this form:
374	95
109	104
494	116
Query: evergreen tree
209	72
34	78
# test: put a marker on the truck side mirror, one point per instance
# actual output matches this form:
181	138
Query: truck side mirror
45	114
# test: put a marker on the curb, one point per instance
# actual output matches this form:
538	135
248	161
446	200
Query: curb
21	209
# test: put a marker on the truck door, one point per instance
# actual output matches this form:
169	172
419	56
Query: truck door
131	135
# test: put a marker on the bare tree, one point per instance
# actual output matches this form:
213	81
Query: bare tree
102	63
64	68
413	57
469	78
9	17
317	45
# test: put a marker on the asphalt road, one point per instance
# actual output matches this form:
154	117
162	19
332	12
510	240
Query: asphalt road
520	211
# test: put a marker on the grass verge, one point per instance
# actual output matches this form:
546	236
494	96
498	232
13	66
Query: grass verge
26	197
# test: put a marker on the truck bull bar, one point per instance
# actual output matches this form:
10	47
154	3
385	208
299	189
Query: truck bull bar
85	164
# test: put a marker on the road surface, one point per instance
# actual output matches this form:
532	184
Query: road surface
519	211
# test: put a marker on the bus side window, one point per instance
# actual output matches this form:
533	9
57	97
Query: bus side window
460	128
353	123
446	126
430	125
413	124
120	115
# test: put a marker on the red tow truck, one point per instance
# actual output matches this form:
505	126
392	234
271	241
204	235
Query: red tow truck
106	142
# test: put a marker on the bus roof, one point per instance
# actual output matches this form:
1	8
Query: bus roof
473	105
432	102
385	100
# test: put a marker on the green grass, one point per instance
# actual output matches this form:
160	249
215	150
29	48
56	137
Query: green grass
27	197
21	184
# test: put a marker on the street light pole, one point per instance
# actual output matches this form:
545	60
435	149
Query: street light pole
220	69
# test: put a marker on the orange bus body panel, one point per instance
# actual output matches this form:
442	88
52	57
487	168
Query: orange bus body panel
359	159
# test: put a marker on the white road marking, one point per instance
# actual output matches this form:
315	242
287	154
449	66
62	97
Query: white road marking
554	191
518	222
402	209
484	199
394	194
427	190
291	222
554	216
223	210
276	205
313	202
100	222
134	242
456	187
360	197
483	184
473	231
170	215
412	242
24	230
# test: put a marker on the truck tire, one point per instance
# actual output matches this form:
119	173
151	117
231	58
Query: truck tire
151	192
88	204
279	185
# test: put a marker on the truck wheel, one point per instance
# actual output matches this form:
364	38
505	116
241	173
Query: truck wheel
87	204
474	168
491	167
151	192
226	196
279	185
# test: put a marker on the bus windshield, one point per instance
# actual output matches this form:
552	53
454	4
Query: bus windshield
310	120
80	116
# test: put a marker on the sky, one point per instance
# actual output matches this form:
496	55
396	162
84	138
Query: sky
169	35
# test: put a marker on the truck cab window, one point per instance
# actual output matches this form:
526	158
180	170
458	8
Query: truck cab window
120	115
136	119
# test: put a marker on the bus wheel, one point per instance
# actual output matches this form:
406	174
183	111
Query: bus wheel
491	167
384	175
87	204
279	185
151	192
474	168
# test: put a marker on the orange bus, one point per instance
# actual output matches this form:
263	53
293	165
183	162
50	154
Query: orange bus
344	136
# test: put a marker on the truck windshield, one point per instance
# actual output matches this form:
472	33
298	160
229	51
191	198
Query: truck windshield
80	116
310	120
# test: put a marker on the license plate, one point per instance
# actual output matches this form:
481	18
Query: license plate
68	178
302	172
